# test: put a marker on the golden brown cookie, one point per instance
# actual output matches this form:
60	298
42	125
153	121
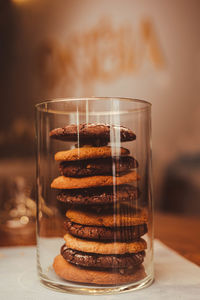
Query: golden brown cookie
104	248
90	152
63	182
126	215
73	273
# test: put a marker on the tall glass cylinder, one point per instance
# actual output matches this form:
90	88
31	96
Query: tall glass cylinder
94	194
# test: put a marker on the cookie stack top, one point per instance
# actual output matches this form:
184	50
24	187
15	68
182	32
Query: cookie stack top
91	164
92	134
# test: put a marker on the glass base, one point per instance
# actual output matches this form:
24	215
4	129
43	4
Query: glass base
81	289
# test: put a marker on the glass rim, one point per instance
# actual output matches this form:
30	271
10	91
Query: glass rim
42	106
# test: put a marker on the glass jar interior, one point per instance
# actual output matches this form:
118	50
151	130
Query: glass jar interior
129	113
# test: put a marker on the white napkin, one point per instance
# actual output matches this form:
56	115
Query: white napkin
175	278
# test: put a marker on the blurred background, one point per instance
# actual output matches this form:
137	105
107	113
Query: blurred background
141	49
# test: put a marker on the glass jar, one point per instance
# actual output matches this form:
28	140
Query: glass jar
94	194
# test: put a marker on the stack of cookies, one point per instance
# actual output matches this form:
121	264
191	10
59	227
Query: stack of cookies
103	243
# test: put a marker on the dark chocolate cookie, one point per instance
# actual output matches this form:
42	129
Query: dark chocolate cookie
99	195
102	233
92	260
92	134
100	166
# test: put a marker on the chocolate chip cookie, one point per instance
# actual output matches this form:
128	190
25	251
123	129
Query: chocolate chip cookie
93	134
102	261
103	233
99	195
100	166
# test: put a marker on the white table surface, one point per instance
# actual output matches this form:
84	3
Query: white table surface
175	278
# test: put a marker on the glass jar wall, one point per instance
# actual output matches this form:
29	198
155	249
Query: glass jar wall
94	194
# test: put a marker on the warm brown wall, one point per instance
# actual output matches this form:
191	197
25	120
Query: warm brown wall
154	53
